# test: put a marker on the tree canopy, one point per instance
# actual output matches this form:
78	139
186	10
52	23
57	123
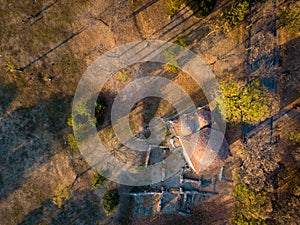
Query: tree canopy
110	200
250	103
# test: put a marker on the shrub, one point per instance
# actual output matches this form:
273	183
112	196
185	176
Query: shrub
168	132
173	6
236	12
61	194
294	136
181	41
122	75
84	118
72	141
100	108
70	122
290	19
11	66
98	180
110	201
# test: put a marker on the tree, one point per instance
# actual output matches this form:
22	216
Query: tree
110	201
85	118
256	182
251	207
248	104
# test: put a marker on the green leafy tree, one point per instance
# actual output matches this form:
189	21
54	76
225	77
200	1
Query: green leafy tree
110	201
251	207
247	104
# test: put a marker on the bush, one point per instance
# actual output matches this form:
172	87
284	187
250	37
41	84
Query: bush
110	201
294	136
123	75
290	19
61	194
181	41
11	66
72	141
236	12
173	6
98	180
84	118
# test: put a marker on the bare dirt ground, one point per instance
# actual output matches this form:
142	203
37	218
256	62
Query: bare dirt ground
52	43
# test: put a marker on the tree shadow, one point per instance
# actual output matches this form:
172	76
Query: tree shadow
26	140
8	92
83	207
284	83
37	216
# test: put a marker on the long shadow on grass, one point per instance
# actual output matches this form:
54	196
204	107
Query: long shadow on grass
8	92
82	208
26	137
